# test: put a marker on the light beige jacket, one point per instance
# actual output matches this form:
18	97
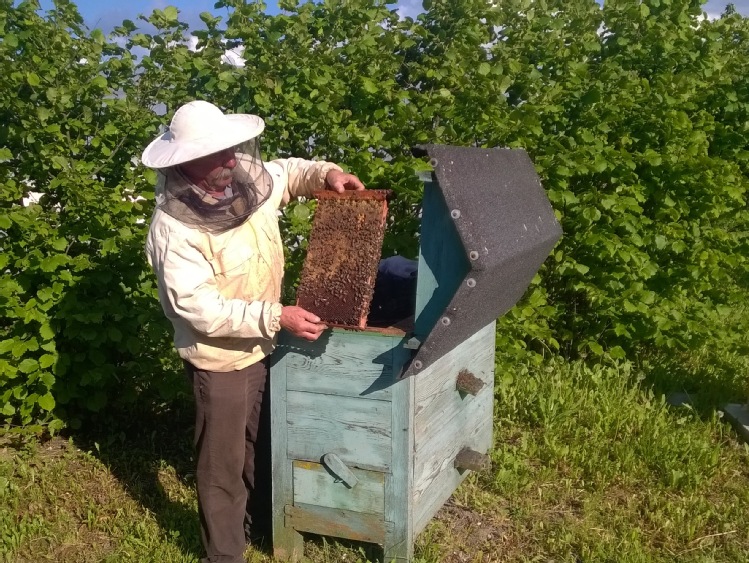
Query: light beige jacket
222	291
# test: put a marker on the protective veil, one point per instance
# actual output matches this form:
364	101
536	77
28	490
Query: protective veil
251	187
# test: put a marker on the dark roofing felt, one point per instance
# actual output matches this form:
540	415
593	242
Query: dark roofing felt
506	228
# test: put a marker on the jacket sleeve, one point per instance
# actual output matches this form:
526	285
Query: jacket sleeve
301	177
187	289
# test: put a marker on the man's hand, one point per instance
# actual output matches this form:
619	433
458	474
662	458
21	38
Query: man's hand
301	323
341	181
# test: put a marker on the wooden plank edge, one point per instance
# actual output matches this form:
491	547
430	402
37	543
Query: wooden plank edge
338	523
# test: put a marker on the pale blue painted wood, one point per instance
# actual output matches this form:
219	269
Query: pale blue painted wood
442	261
407	432
347	363
436	395
314	485
435	477
288	544
399	483
446	421
355	429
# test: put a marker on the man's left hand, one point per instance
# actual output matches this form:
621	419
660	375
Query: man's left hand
341	181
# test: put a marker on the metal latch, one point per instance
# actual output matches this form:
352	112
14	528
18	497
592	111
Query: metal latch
334	464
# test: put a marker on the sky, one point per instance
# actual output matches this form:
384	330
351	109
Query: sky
105	15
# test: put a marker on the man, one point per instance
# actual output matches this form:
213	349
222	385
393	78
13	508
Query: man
215	246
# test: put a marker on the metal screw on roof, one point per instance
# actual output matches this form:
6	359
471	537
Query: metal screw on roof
455	214
433	163
470	282
474	255
418	364
445	321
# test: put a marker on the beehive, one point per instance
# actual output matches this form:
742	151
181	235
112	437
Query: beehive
373	429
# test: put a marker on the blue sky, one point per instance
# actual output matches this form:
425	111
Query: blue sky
106	14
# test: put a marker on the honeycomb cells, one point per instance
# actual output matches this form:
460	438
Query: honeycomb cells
345	245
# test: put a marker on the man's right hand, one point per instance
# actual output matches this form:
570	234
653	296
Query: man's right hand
301	323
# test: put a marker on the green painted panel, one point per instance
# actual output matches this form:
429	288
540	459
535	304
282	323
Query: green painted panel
347	363
356	430
315	485
442	261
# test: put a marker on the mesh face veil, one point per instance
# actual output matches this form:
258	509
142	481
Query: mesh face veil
250	188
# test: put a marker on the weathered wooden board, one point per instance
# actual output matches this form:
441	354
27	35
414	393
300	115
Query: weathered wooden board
436	395
398	485
288	545
465	429
315	485
435	477
347	363
434	497
357	430
337	523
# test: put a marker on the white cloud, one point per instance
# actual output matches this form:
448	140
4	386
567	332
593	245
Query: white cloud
192	43
32	198
233	57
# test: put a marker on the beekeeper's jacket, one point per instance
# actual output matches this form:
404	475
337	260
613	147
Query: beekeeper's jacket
222	291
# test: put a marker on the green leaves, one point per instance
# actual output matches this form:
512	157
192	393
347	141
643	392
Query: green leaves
634	114
170	13
28	366
46	401
69	137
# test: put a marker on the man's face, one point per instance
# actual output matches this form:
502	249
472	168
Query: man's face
213	173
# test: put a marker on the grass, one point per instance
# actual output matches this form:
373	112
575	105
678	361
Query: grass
591	463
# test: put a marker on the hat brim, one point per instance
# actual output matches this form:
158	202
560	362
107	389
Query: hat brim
164	151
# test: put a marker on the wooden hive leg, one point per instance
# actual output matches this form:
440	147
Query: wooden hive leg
401	552
288	544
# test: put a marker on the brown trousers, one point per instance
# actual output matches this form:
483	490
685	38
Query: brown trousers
233	449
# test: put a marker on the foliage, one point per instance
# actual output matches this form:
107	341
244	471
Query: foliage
619	108
80	321
635	114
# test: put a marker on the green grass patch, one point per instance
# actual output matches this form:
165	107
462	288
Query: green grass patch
596	466
591	463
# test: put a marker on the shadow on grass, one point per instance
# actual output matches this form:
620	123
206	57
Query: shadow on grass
137	450
708	380
121	394
322	548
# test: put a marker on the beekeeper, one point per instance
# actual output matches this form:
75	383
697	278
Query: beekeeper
215	246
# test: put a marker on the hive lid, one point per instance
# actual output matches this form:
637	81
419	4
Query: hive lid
487	227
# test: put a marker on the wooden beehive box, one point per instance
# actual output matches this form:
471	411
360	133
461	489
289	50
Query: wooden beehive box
373	430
